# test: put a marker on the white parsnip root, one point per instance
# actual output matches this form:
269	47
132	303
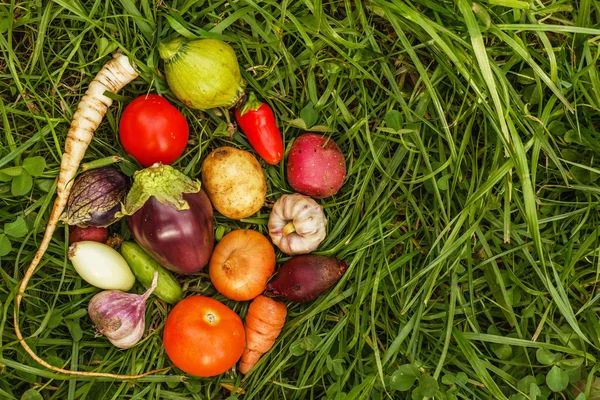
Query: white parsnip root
113	76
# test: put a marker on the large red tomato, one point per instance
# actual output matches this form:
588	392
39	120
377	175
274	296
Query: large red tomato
203	337
152	130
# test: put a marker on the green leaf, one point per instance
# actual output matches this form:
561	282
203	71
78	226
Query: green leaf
417	394
310	342
462	378
482	15
309	115
77	314
12	171
320	129
571	155
32	394
524	384
526	76
74	329
557	128
4	177
557	379
44	184
540	379
21	185
105	46
404	378
56	361
534	391
297	123
55	320
571	363
531	94
219	232
448	379
4	24
394	120
296	349
194	385
338	368
5	245
545	357
442	183
574	374
34	165
572	137
428	385
502	351
17	228
173	384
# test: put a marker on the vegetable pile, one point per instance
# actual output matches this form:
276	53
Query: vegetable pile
170	220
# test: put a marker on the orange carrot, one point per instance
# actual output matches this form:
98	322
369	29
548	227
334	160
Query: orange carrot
113	76
264	322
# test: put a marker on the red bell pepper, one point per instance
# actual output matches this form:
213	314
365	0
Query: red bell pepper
257	121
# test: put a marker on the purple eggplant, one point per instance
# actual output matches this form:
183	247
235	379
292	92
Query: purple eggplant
171	218
306	277
96	198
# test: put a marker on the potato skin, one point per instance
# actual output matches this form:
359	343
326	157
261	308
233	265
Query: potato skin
234	182
316	166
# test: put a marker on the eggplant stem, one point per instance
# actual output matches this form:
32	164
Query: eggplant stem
288	228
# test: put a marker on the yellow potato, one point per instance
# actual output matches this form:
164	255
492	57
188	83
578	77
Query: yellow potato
234	182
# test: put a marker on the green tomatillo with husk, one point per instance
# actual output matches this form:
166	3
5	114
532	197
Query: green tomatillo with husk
202	73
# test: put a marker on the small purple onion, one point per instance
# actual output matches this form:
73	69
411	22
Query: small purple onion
96	197
120	316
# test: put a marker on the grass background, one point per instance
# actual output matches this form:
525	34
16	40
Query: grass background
469	215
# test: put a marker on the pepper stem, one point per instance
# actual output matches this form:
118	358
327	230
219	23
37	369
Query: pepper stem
288	228
251	104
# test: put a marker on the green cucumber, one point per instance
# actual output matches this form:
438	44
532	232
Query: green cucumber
144	267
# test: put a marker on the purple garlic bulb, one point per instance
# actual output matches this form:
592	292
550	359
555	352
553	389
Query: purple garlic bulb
120	316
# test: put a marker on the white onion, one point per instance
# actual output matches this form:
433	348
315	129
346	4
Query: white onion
101	266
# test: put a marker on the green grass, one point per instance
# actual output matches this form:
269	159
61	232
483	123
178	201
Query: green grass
468	217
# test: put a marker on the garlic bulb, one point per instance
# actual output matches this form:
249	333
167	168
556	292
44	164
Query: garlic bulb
297	224
120	316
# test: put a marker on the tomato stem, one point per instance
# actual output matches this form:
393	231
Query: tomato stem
211	318
251	104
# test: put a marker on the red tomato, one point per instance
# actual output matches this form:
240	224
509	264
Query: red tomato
257	121
152	130
203	337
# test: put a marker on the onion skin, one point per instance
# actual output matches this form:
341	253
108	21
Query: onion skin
96	197
101	266
306	277
91	233
181	241
241	264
